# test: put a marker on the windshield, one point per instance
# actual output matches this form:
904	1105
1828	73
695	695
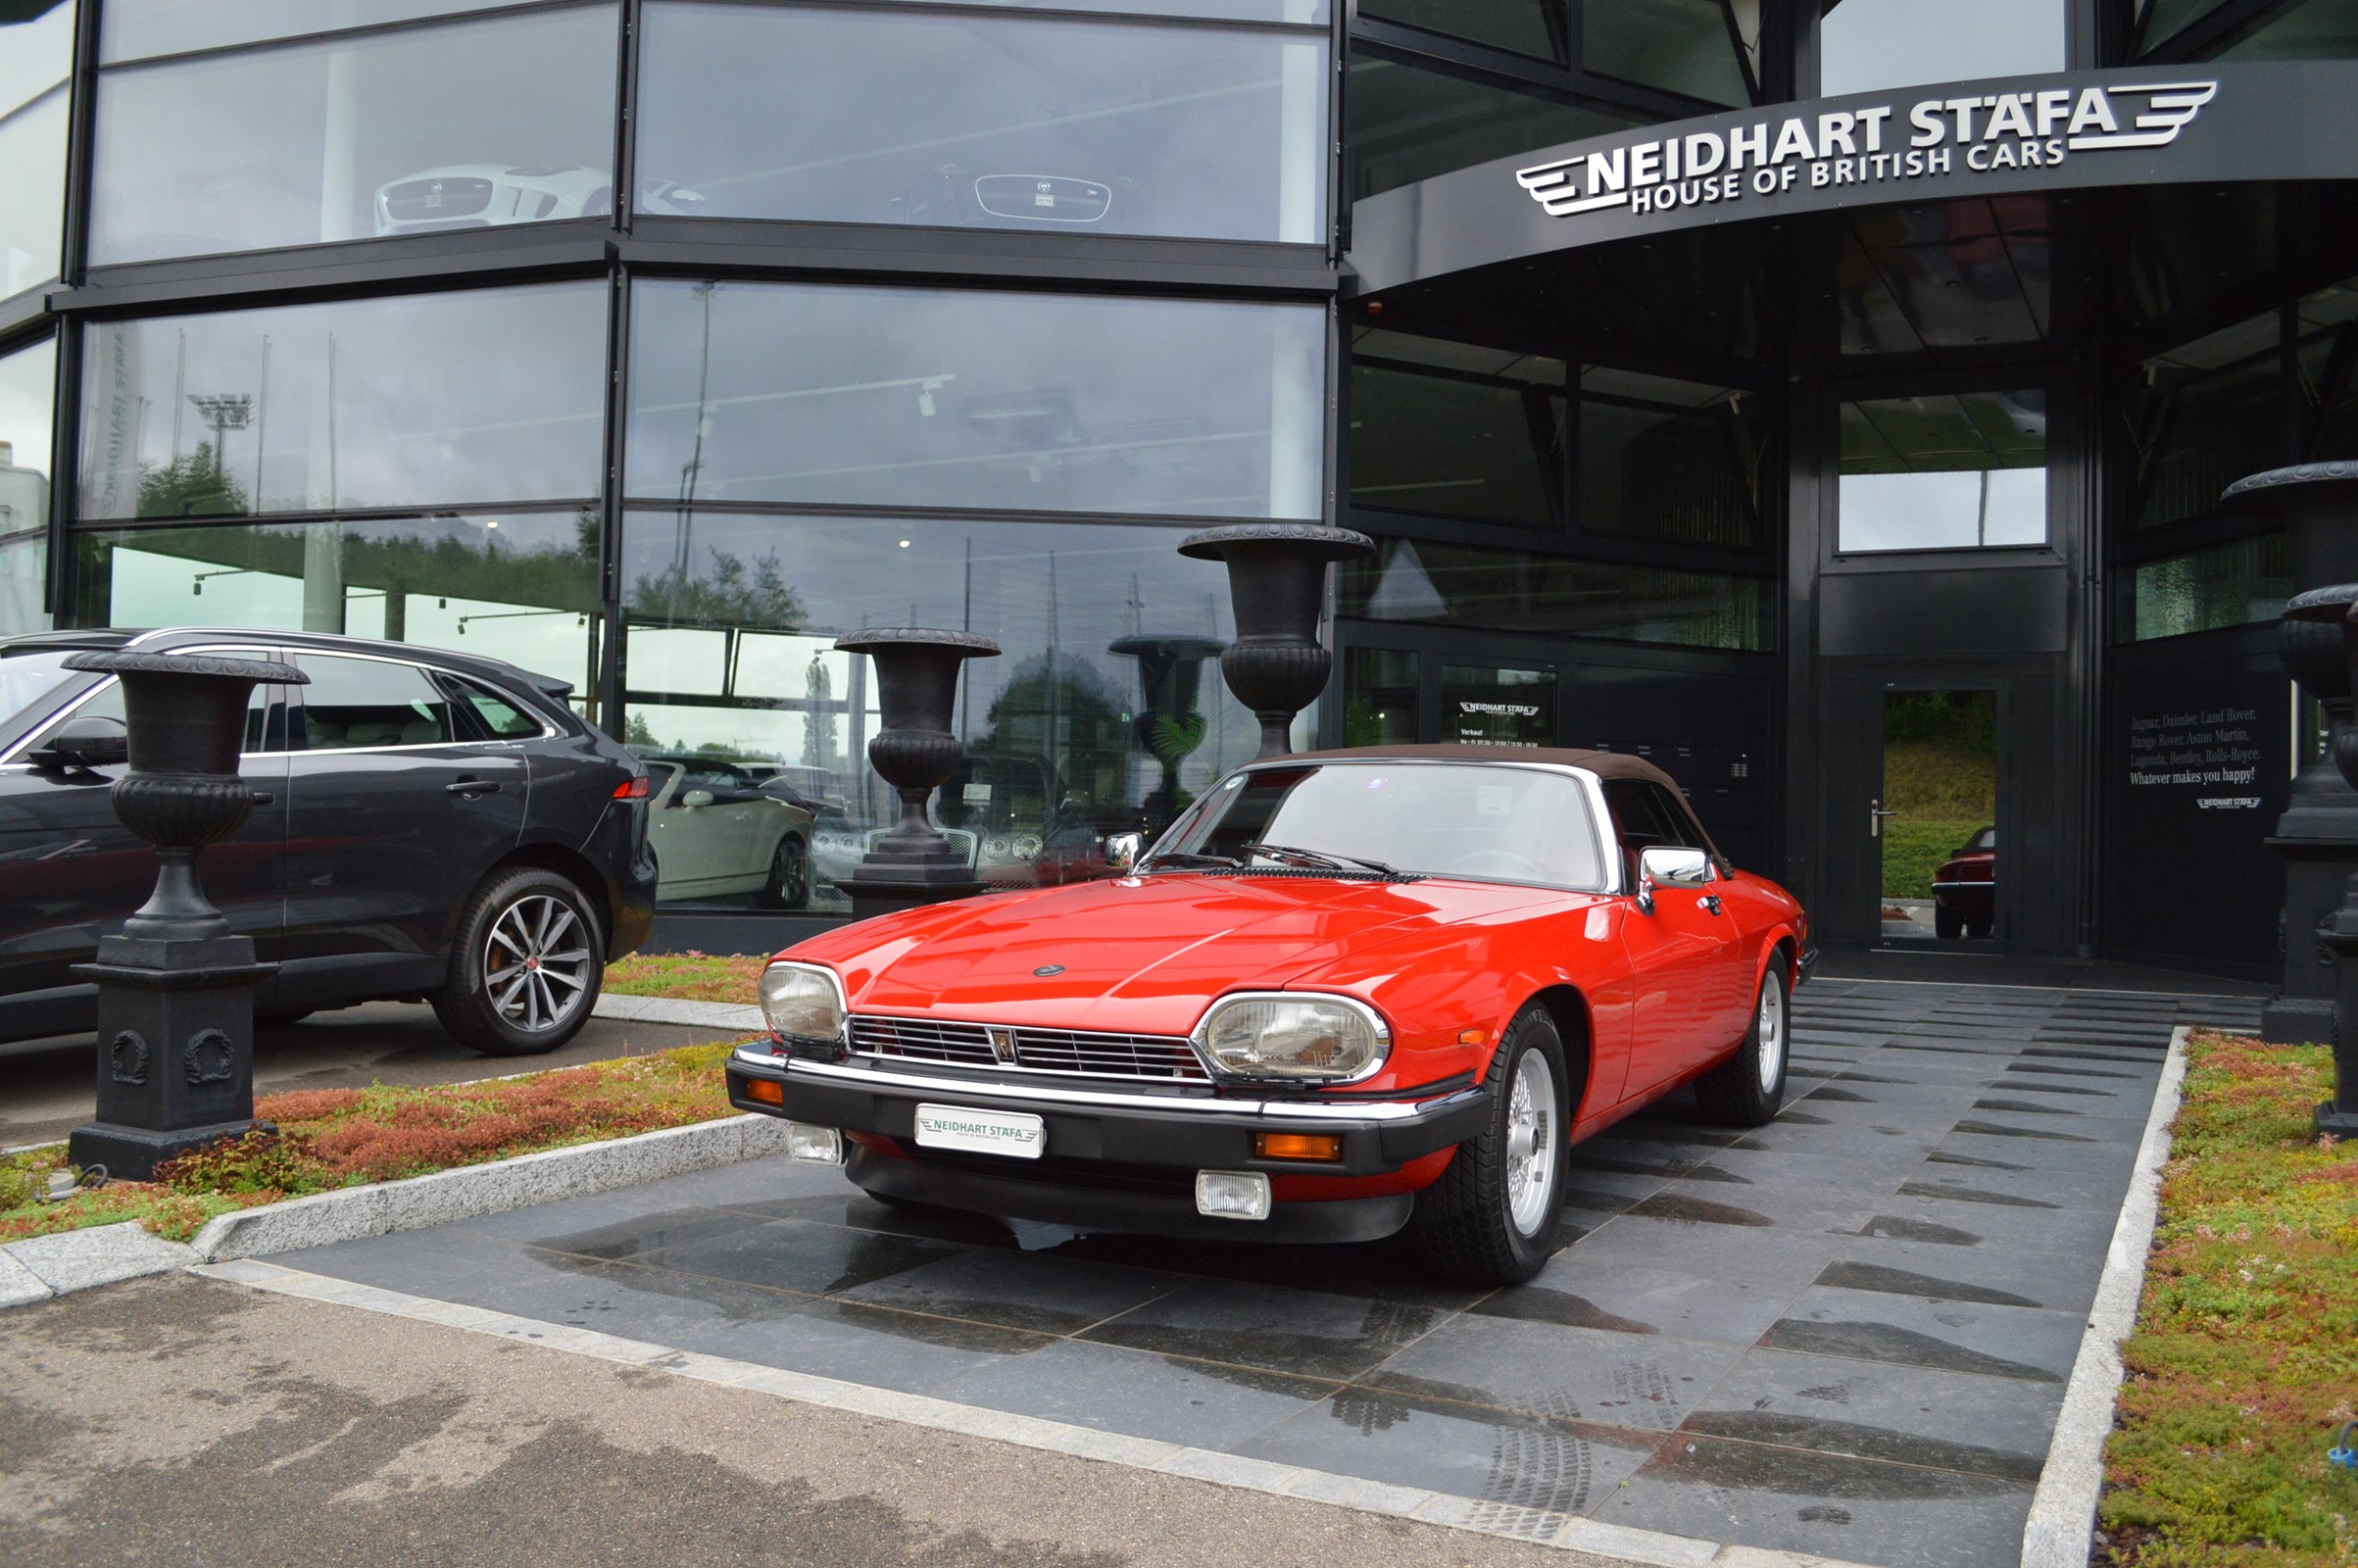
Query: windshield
1490	823
31	678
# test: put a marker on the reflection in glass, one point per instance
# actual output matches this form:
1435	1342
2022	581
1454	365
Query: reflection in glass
36	57
1483	704
1105	712
1410	122
997	121
1867	44
475	124
2315	30
489	395
969	399
1499	590
2329	357
28	389
132	30
518	586
2244	583
2208	412
1526	27
1666	460
1455	429
1944	473
1381	691
2160	20
1695	47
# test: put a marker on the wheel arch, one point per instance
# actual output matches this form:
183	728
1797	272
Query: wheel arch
1570	1009
576	867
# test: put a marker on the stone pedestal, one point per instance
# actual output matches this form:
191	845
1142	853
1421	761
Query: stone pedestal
176	988
916	685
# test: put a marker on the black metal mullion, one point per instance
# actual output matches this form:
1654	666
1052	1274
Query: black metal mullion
64	480
319	515
81	122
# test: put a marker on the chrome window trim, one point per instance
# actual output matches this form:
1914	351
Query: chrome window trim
1085	1098
297	654
75	706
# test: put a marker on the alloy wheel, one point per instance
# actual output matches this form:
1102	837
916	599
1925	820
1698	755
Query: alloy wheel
1771	1029
1531	1142
536	962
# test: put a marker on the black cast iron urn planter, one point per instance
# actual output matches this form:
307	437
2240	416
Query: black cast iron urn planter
916	684
176	988
1170	672
2318	834
1277	583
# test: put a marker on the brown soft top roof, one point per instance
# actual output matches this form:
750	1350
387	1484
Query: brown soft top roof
1605	765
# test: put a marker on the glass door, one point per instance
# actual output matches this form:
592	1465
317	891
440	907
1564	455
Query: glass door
1935	821
1399	696
1496	704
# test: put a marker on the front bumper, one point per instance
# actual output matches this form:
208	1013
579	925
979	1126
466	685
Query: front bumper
1116	1157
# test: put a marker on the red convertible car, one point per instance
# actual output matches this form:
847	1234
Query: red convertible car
1965	888
1346	993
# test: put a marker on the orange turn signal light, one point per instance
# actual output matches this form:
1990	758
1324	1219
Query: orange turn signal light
1471	1037
1298	1146
766	1091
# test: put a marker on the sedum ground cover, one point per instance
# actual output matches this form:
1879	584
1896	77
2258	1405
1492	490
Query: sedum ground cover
2245	1363
330	1138
698	976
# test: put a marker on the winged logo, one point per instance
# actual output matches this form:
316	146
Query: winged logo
2171	107
1553	186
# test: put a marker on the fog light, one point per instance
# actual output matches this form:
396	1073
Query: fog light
1232	1193
1298	1146
767	1091
814	1146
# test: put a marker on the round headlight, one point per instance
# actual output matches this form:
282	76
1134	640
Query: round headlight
1026	846
801	1001
1324	1039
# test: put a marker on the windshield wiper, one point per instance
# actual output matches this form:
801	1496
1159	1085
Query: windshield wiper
1331	862
1190	858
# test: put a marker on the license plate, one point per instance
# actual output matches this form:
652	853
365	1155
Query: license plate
982	1132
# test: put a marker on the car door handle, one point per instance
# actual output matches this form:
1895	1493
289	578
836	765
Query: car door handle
264	798
1709	900
472	787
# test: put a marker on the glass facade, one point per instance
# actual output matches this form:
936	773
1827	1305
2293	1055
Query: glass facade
1429	583
2314	30
36	60
1954	471
489	395
2239	584
1104	711
997	121
1868	44
474	125
520	586
1412	122
891	397
1703	49
1456	429
27	391
1525	26
1668	460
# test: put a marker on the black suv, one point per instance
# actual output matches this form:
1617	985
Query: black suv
429	826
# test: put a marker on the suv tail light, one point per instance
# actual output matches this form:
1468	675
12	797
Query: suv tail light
631	788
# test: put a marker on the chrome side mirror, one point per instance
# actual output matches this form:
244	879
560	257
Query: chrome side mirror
1664	865
1123	850
695	800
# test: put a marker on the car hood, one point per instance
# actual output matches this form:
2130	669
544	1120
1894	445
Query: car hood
1136	955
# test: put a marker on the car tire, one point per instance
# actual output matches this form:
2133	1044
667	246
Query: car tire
1948	922
1491	1218
789	885
514	916
1977	930
1747	1089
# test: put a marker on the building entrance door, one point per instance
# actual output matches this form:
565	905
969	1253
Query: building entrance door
1934	821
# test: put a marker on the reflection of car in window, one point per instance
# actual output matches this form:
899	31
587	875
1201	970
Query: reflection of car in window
717	831
487	195
1029	831
962	198
1965	889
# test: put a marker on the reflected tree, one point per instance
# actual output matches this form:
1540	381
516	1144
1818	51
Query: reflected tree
193	486
732	593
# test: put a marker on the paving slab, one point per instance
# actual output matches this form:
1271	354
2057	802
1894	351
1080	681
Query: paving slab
1844	1333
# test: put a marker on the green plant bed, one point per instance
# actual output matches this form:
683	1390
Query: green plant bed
2245	1359
695	976
330	1138
1913	848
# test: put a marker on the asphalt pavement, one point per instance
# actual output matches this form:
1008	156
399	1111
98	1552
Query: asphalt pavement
196	1422
47	1086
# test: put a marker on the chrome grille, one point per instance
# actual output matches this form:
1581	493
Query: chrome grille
1062	1051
